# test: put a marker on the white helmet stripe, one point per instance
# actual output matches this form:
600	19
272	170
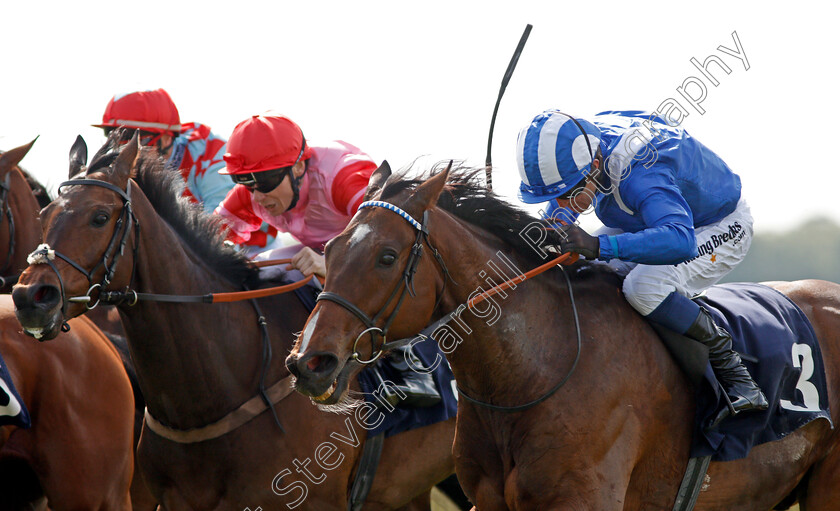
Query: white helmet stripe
520	154
142	124
547	149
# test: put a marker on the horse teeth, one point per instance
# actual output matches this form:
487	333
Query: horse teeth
323	397
35	332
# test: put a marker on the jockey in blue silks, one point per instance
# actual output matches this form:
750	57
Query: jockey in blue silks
675	222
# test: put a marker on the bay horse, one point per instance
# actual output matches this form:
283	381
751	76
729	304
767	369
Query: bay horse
21	198
19	227
616	435
197	363
78	453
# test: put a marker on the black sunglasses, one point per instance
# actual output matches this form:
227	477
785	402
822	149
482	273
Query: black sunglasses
263	182
268	180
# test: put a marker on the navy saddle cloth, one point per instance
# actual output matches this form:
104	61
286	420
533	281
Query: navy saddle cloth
768	327
404	418
12	410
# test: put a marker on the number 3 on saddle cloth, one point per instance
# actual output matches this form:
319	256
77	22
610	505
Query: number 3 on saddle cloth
781	352
13	412
428	398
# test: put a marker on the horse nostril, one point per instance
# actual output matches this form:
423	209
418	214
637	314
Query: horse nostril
313	363
318	363
45	295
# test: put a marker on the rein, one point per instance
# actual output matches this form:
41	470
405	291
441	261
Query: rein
426	333
116	247
406	285
266	399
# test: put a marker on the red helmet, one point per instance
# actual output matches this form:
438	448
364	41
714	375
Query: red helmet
264	142
151	110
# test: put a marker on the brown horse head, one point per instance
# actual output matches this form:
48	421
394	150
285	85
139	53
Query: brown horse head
19	228
384	278
201	366
100	224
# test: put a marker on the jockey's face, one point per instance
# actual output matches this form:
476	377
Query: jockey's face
582	196
277	201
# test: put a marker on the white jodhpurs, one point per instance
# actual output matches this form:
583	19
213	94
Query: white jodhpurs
721	246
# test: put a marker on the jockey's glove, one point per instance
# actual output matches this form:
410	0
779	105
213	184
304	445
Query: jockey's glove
575	239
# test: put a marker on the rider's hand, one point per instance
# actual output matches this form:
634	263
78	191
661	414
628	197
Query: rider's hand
577	240
309	261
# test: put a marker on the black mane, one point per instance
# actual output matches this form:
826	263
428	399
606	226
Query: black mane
466	197
200	231
38	190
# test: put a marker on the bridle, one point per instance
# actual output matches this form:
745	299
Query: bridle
406	284
5	188
115	249
426	333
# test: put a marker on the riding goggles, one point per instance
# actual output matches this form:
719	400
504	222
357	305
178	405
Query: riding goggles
267	180
263	182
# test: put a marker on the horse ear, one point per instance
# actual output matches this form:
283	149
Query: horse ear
78	156
12	157
377	180
426	195
125	162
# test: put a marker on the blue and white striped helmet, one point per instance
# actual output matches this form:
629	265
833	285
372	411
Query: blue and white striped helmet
553	155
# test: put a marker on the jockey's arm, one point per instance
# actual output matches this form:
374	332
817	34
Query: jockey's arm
239	217
668	237
212	187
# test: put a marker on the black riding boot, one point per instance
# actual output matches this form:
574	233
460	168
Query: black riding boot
418	387
742	392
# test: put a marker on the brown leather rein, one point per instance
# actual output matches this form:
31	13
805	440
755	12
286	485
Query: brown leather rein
131	297
265	398
427	333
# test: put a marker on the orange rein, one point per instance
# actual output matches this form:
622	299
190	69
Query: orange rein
565	259
261	293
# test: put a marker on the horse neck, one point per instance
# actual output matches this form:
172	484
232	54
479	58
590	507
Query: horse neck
23	208
195	362
497	335
530	343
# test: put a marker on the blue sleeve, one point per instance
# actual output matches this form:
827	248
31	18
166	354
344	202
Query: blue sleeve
212	187
668	236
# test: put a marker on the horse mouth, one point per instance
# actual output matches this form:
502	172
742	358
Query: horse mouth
38	323
42	332
325	397
337	392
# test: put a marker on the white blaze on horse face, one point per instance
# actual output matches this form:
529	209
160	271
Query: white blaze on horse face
307	332
359	234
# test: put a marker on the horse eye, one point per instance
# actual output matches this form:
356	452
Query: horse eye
387	259
99	219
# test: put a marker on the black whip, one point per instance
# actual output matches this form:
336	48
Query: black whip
488	162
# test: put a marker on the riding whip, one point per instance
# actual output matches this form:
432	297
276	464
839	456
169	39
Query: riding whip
488	162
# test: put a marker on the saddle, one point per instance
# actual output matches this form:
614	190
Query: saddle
777	343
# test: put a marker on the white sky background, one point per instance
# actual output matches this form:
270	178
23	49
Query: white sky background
407	80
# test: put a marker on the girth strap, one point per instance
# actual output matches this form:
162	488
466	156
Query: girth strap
695	474
368	463
247	411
